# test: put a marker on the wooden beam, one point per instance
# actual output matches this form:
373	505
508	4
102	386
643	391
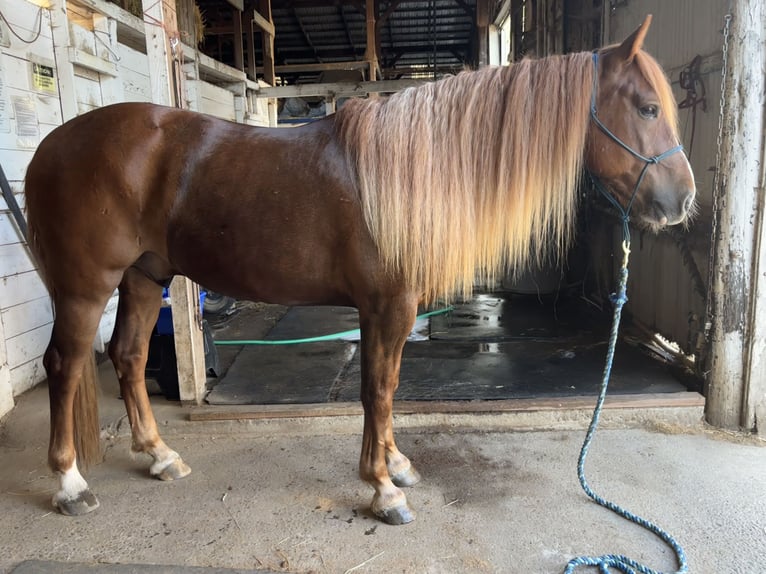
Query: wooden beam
414	70
264	22
444	45
296	68
338	89
211	69
131	29
613	402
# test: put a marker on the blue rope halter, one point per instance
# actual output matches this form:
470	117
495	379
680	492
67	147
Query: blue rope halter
607	561
624	212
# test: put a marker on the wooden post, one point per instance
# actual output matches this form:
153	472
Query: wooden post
371	53
736	394
160	23
265	21
482	33
264	10
161	37
64	67
189	343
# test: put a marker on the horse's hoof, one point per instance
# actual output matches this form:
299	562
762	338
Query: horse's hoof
173	471
396	515
84	503
406	477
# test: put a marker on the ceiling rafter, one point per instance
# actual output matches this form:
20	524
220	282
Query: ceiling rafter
305	33
346	28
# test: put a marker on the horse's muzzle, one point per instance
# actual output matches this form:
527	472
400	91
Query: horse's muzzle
671	209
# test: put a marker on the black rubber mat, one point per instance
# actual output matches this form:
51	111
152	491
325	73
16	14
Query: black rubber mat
283	374
492	347
461	371
296	373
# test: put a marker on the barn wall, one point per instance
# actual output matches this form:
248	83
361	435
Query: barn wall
29	109
102	60
663	293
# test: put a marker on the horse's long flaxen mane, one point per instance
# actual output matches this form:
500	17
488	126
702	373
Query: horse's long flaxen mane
465	177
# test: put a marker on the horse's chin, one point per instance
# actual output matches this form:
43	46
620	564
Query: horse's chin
655	220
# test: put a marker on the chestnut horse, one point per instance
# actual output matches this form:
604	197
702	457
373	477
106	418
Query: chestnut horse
388	204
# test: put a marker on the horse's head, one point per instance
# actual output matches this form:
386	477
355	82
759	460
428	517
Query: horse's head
633	143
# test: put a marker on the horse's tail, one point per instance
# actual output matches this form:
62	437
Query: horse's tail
87	431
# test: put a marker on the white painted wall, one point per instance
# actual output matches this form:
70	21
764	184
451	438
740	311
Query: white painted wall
25	310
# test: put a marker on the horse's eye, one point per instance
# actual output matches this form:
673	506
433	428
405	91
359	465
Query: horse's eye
648	111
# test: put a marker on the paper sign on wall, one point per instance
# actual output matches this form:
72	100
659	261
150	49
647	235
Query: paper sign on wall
43	78
27	126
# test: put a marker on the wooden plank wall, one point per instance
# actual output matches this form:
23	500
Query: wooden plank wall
134	72
210	99
25	310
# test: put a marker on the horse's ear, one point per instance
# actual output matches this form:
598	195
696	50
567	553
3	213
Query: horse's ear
632	44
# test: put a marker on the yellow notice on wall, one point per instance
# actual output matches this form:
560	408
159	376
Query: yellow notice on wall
43	78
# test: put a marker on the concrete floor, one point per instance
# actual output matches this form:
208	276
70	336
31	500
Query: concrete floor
284	495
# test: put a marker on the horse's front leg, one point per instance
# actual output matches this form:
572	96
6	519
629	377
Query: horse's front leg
384	332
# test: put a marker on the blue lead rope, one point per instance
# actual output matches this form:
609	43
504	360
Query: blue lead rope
607	561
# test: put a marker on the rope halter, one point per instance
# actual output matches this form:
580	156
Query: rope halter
624	212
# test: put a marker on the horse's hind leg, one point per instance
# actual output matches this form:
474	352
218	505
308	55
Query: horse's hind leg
66	360
139	305
384	332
